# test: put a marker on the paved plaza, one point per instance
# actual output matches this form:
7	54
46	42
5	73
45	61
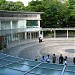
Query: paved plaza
32	49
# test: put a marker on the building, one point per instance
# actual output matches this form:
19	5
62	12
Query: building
16	25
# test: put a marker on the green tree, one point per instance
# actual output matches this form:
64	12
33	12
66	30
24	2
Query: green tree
55	12
71	20
12	6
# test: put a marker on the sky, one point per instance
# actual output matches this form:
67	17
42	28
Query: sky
24	1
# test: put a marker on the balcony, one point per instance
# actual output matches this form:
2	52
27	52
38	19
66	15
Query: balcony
19	30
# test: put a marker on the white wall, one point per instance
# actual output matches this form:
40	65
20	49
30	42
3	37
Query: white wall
22	24
5	24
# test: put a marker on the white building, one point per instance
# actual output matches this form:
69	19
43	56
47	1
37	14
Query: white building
16	25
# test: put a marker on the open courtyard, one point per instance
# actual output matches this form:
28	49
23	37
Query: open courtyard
32	49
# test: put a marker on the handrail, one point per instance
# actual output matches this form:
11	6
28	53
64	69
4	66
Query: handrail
62	73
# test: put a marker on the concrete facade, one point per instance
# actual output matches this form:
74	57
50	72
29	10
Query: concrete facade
15	25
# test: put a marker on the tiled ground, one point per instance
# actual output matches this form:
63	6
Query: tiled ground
33	49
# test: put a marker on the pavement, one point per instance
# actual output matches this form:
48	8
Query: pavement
32	49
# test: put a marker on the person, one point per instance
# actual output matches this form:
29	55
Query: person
61	59
43	59
74	60
36	59
54	58
39	39
65	60
48	59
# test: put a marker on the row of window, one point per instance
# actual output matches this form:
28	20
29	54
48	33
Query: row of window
29	24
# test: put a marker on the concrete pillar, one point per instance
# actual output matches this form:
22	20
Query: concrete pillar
39	33
30	36
11	30
0	24
67	34
25	35
11	25
39	23
54	33
24	23
42	34
11	37
7	41
34	34
19	37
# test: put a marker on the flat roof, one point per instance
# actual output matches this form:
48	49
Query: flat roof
18	12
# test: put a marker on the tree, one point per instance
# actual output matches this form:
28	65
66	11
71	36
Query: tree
71	20
12	6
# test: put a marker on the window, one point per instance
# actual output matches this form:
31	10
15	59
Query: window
32	23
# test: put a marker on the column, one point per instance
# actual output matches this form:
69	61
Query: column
11	30
25	35
11	24
0	25
67	34
19	37
7	41
42	33
11	37
34	34
0	29
39	23
24	23
39	33
54	33
30	36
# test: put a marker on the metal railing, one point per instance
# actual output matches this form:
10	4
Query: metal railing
18	30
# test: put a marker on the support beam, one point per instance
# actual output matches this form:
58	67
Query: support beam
25	35
7	41
54	33
30	36
42	33
67	33
11	25
11	37
39	23
0	24
19	37
39	33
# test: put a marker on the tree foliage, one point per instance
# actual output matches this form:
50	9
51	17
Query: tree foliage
11	6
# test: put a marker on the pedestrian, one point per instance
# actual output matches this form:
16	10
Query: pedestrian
36	59
65	60
54	58
39	39
48	59
61	59
74	60
43	59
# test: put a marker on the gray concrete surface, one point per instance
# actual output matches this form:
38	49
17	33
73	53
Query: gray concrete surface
32	49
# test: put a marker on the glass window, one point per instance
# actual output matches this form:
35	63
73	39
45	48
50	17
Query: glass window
32	23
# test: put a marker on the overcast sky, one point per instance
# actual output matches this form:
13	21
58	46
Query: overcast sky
24	1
